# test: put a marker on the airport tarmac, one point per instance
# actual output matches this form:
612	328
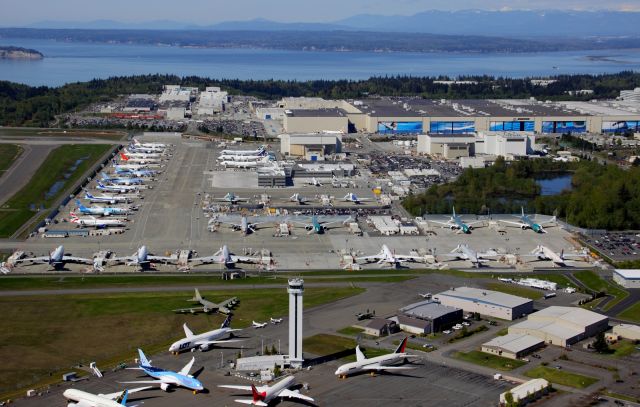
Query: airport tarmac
171	218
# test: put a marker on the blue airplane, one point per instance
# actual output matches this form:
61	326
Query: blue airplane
121	181
136	173
99	211
167	378
315	225
527	223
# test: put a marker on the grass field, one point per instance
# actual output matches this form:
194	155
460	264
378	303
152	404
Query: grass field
514	289
47	132
45	335
8	154
488	360
103	281
632	313
594	282
623	348
350	331
561	377
55	169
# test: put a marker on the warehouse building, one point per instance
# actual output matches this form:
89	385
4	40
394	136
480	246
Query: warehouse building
412	325
447	146
177	93
627	331
452	146
562	326
527	392
440	316
310	147
381	327
512	346
315	121
628	278
212	101
490	303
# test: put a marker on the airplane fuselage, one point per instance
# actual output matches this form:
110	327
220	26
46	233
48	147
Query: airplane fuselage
360	366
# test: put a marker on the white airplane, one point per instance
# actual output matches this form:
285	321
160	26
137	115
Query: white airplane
376	364
389	258
204	340
299	199
138	144
236	157
544	253
56	259
425	295
259	151
231	198
121	180
118	188
167	378
138	160
136	154
263	395
143	259
109	198
527	223
79	398
97	223
245	164
140	149
276	320
456	223
464	252
207	306
258	325
314	182
242	225
132	167
351	197
224	257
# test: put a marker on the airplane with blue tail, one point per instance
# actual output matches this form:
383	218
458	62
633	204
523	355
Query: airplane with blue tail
167	378
80	398
526	222
100	211
142	173
106	198
121	180
315	224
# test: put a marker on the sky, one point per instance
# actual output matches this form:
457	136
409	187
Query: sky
23	12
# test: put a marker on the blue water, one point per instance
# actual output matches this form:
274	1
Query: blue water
70	62
54	189
554	186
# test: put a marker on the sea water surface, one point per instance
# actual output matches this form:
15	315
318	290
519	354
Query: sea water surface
66	62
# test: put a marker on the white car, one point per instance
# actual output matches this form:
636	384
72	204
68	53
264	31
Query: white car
447	332
466	324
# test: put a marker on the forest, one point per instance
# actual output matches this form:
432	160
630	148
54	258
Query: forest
22	105
602	196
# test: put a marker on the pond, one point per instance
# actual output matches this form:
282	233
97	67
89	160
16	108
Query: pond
554	185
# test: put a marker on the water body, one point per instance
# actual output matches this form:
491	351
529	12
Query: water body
554	185
66	62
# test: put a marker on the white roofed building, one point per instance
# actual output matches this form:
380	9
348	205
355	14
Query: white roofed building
486	302
512	346
628	278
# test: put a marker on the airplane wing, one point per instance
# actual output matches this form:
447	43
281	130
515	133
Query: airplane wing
251	402
375	257
327	222
185	370
200	343
41	259
189	310
235	387
448	223
378	367
294	395
511	223
77	259
114	396
164	381
407	257
244	259
169	259
83	403
359	355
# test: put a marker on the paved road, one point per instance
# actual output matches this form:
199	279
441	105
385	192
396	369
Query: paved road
21	171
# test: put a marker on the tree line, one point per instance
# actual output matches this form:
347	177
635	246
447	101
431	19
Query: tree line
22	105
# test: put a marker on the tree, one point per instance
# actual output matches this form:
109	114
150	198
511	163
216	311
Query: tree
508	400
276	370
600	345
274	351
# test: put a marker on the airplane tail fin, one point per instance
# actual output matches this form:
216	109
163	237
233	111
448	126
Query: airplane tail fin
88	195
143	361
122	399
197	296
454	211
403	345
124	156
187	332
80	205
226	322
257	396
522	208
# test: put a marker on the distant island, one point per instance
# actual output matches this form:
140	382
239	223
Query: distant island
19	53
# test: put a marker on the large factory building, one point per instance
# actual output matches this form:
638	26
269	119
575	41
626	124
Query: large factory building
490	303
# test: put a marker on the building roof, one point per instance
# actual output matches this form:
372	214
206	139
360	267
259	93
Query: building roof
329	112
629	327
413	322
485	296
378	323
514	342
428	310
571	315
526	388
629	274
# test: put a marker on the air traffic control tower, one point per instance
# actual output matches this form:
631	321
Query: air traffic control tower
295	290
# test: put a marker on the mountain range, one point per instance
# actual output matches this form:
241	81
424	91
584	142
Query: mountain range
515	23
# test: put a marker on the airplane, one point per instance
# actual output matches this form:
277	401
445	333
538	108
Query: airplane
425	295
101	211
138	172
258	325
138	144
245	226
137	154
204	340
351	197
314	182
140	149
236	157
456	222
166	378
118	188
276	320
121	180
388	257
299	199
105	198
464	252
207	306
231	198
97	223
376	364
245	164
259	151
224	257
56	259
79	398
133	167
263	395
527	223
315	225
544	253
143	259
139	160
